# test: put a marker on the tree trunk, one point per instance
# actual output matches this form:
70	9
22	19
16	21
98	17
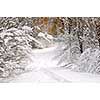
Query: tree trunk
80	33
99	42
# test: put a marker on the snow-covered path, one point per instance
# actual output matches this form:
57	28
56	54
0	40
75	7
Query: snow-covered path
44	57
45	69
42	64
41	75
53	75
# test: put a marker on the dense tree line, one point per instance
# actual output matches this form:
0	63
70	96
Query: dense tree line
76	34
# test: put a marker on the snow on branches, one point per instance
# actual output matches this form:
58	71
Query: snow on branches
14	50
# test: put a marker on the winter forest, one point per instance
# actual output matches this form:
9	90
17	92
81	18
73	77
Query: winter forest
49	49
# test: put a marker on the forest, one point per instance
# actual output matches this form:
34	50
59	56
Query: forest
76	41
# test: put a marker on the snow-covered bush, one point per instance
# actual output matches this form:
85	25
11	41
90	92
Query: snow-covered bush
89	61
68	49
14	51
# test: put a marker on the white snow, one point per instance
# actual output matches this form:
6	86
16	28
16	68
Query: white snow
37	27
89	61
56	75
46	70
26	28
49	36
44	36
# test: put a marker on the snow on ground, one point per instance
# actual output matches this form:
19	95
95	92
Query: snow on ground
45	69
76	76
43	57
56	75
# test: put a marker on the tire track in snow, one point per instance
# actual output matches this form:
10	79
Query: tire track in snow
55	76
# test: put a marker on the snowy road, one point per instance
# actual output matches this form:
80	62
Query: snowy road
53	75
45	69
41	75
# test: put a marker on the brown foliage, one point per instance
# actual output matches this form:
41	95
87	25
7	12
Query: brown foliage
52	27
